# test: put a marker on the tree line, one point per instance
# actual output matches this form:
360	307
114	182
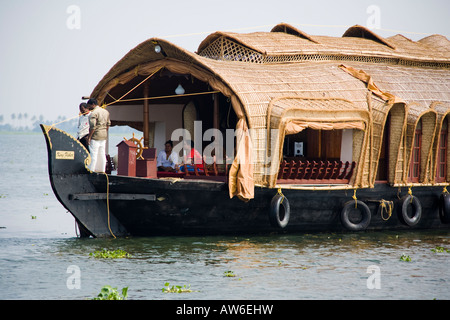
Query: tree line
30	123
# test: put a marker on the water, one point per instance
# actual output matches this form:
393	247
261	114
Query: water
38	255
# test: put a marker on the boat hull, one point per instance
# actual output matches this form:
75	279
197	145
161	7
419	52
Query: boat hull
111	205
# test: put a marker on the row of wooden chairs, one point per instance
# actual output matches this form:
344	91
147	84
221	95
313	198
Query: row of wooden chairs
315	172
206	170
217	172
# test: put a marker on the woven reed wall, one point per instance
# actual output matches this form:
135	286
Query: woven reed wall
379	113
397	143
428	135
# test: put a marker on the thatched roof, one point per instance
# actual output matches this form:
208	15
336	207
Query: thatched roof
256	68
357	41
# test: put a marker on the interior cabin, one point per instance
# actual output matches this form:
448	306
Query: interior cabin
170	102
346	111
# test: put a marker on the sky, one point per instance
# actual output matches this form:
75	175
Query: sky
53	52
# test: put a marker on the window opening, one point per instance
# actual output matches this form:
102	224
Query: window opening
414	172
383	161
315	157
441	173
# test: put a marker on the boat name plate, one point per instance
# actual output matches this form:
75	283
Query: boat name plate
65	155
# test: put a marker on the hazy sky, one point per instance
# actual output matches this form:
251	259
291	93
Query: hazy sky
55	51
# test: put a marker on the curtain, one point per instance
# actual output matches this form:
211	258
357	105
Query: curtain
296	126
240	180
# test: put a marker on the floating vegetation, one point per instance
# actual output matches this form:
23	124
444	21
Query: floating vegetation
176	289
110	293
106	254
33	217
405	258
440	250
229	273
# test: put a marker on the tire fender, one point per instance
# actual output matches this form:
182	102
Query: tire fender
365	211
279	211
417	210
444	207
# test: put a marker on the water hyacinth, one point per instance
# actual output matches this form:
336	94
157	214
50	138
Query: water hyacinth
110	293
106	254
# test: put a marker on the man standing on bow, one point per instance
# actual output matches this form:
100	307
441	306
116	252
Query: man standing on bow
99	123
83	125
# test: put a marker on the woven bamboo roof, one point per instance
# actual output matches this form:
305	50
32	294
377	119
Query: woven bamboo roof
356	41
284	41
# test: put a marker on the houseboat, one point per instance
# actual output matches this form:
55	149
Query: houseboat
303	133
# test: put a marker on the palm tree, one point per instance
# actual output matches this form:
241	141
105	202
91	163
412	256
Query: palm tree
13	118
20	120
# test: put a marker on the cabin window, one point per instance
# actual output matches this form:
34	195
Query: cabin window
414	172
313	144
315	156
383	162
441	173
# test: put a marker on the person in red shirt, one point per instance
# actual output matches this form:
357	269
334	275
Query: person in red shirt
192	156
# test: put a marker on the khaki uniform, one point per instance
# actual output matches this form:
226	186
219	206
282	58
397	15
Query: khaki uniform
99	122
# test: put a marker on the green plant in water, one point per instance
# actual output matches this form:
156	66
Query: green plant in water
229	273
106	254
406	258
110	293
440	250
176	289
33	217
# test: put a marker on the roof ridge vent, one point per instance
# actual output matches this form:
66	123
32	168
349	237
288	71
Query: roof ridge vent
358	31
289	29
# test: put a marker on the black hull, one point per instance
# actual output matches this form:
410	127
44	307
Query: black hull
159	207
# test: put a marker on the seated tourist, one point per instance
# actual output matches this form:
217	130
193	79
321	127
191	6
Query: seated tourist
167	160
192	156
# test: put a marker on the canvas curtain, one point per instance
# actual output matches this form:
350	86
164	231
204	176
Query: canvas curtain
296	126
240	180
365	77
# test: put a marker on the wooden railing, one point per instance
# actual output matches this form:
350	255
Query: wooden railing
322	172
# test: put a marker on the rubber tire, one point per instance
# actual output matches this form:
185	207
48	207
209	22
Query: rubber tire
444	208
403	213
279	211
365	211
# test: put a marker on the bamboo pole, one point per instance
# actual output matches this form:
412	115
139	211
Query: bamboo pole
145	117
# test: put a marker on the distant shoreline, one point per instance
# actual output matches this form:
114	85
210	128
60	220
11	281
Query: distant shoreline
114	130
